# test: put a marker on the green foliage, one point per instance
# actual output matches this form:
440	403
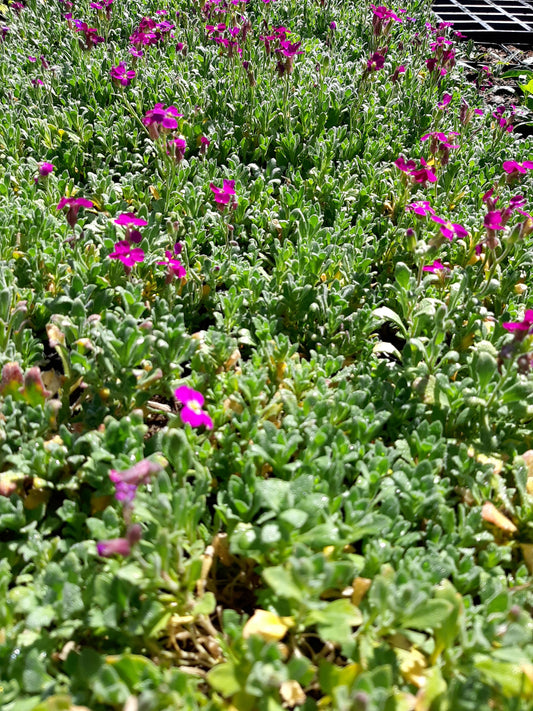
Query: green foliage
355	530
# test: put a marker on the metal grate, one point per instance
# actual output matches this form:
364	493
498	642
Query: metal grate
503	21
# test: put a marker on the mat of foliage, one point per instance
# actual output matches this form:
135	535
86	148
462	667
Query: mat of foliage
266	403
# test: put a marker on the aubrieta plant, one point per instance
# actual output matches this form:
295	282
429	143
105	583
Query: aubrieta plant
266	356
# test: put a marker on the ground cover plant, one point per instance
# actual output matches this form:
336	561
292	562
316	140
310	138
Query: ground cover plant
266	329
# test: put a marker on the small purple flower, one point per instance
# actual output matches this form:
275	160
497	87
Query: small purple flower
523	326
225	195
376	62
174	266
450	229
45	169
446	99
73	205
128	255
113	546
406	166
424	174
121	75
139	473
159	119
192	412
422	208
129	221
515	169
125	492
436	267
32	59
120	546
176	148
493	220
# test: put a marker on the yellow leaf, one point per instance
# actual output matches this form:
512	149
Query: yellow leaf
267	625
292	693
154	192
490	513
528	459
360	588
412	666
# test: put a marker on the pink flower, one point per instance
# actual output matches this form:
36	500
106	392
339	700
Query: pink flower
435	267
174	266
424	174
446	99
514	169
137	474
121	75
225	195
128	255
523	326
376	62
450	229
120	546
405	166
159	119
113	546
73	205
192	412
176	148
127	220
493	220
422	208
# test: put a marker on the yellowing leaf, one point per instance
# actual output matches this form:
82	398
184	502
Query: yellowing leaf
154	192
292	693
360	588
267	625
412	666
490	513
528	459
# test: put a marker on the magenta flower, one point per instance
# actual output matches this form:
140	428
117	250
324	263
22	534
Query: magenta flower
139	473
128	255
436	267
45	169
422	208
450	229
191	413
523	326
159	119
121	75
405	166
424	174
446	99
73	205
514	169
129	221
204	142
225	195
396	74
113	546
176	148
290	49
174	266
120	546
493	220
376	62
